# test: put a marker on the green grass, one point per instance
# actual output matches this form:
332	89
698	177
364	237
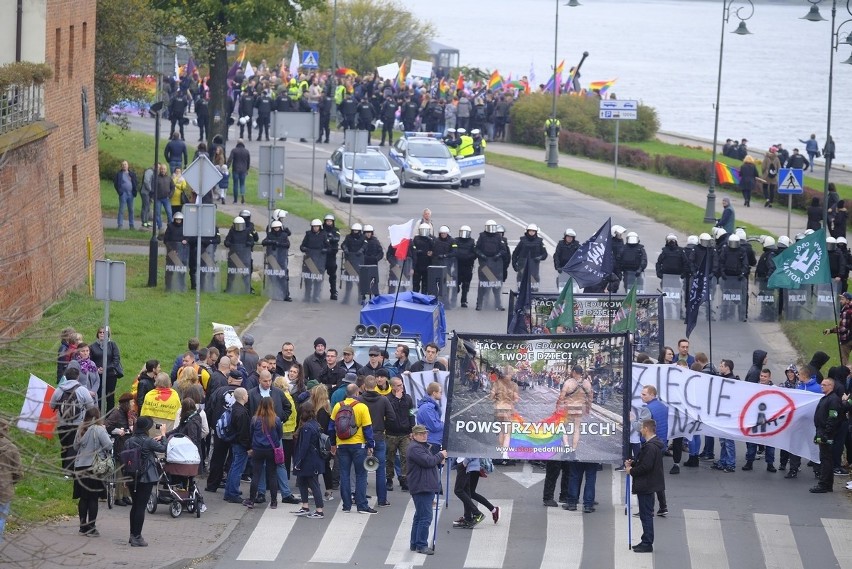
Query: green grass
665	209
806	337
149	324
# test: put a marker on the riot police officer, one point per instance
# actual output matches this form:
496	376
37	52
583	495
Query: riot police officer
388	116
265	105
316	248
528	253
565	249
373	251
246	215
277	243
762	271
353	248
631	262
505	253
423	247
332	234
239	241
479	146
836	260
672	261
703	255
617	243
365	117
746	246
444	254
490	252
246	108
733	270
465	256
174	231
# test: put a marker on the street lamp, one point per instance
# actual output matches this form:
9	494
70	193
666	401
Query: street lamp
552	137
813	15
742	30
334	40
154	245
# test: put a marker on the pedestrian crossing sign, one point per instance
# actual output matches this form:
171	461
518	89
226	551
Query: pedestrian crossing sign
310	59
790	181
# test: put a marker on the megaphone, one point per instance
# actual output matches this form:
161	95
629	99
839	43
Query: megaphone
371	464
395	330
384	329
360	329
372	330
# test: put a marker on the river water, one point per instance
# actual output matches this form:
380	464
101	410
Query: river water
666	54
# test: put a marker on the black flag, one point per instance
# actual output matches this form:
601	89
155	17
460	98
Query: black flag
523	304
592	262
699	291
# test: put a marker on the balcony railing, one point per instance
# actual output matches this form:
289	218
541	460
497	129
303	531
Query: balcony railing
20	105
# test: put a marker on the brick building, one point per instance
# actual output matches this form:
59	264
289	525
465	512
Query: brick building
49	188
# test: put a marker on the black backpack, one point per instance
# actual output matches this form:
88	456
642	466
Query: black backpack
69	407
132	461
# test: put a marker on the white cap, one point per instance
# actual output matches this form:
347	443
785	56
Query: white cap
444	229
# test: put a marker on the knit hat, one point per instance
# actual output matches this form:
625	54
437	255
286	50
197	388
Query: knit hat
311	384
235	375
839	373
218	330
319	340
143	424
248	339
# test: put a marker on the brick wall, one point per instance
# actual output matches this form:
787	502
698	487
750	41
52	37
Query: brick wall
49	188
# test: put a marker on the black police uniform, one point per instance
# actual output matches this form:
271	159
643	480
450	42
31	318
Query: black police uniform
332	234
423	250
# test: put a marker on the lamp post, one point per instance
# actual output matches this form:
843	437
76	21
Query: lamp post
334	40
813	15
153	247
742	30
552	136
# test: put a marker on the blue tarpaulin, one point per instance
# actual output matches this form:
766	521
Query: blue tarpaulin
416	313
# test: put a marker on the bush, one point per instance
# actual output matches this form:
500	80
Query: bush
596	149
108	165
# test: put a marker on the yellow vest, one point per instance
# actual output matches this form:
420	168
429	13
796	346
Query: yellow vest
290	426
466	146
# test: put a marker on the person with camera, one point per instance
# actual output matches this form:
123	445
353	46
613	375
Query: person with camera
144	482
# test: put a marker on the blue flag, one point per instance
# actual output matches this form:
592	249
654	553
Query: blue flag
592	262
699	290
520	323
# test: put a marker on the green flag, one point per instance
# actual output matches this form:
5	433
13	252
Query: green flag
803	263
563	309
625	318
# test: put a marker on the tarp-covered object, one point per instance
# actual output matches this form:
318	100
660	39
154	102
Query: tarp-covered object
416	313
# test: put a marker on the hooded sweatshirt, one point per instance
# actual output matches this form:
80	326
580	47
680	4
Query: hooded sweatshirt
429	415
753	375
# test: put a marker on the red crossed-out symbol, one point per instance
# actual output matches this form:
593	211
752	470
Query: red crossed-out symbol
769	413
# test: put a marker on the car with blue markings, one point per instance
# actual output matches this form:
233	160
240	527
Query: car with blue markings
424	160
372	177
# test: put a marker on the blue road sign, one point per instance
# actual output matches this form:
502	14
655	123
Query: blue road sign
310	59
790	181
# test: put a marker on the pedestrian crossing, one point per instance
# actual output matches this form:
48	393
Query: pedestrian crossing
549	538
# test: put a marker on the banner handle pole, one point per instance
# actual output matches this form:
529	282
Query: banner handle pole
628	513
834	307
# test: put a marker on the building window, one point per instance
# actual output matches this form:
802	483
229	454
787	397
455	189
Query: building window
57	54
85	34
62	185
74	178
71	51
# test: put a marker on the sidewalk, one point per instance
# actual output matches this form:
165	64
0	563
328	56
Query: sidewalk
774	219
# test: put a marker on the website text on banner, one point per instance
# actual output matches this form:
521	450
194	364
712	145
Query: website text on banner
538	397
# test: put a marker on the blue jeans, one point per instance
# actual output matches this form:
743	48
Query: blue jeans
751	452
166	204
239	185
238	464
125	200
4	513
353	455
283	482
575	478
694	445
380	452
709	446
727	453
422	519
646	515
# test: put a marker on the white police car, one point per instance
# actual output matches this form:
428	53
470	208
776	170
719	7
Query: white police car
424	160
373	178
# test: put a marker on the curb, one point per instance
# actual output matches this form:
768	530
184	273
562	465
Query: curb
187	561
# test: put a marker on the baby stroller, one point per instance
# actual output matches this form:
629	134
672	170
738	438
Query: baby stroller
176	486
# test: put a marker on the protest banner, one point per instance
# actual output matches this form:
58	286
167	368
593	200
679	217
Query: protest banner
389	71
231	337
710	405
415	385
420	68
547	397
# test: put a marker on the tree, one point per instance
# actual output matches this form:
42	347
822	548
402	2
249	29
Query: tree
122	48
369	33
206	23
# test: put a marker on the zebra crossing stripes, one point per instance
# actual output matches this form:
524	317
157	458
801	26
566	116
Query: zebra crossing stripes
488	544
559	527
838	532
342	536
777	541
264	543
400	554
704	537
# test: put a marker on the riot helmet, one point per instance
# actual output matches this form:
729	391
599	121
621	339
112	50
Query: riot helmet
632	238
464	231
239	223
734	241
444	230
276	225
570	233
424	230
705	240
368	228
245	214
671	237
356	227
841	241
741	233
692	240
830	243
718	232
178	217
618	231
532	227
501	230
491	226
769	243
784	241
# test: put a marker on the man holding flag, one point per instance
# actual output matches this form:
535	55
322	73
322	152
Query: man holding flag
591	266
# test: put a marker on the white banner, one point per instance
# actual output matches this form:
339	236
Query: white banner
416	383
389	71
703	404
420	68
231	337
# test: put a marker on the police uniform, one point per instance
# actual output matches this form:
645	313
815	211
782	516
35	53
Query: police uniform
332	235
422	246
353	247
529	247
265	104
465	257
733	271
631	262
315	244
246	109
489	246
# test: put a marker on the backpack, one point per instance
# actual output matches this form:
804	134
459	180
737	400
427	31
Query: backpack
132	463
69	407
325	446
223	424
345	425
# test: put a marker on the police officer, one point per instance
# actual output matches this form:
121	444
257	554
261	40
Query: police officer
238	239
552	126
746	246
324	109
836	261
409	113
277	240
332	235
177	110
246	215
202	115
617	243
365	117
265	105
565	249
699	257
353	248
631	262
452	141
444	254
762	271
349	110
315	245
373	251
672	261
388	116
433	115
733	269
465	256
479	146
528	253
489	251
246	110
464	149
505	253
423	249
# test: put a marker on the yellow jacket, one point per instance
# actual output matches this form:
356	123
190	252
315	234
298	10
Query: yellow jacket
161	403
362	419
290	426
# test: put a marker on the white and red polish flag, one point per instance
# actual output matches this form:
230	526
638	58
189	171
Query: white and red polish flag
400	238
36	415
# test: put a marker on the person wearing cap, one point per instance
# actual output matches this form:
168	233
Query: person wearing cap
314	364
843	329
248	355
424	483
375	363
339	394
119	423
348	363
728	218
218	341
353	451
382	413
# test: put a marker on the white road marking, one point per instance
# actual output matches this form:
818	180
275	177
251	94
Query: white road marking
562	526
777	542
488	542
342	536
704	537
838	534
267	538
400	554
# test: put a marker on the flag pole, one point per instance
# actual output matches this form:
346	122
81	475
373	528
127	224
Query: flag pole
395	300
834	307
709	309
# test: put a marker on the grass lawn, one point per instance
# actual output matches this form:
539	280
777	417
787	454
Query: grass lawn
807	338
150	324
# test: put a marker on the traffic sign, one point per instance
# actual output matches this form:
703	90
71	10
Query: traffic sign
609	114
790	181
310	59
616	105
202	176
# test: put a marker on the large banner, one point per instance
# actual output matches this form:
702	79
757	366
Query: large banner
702	404
595	313
537	397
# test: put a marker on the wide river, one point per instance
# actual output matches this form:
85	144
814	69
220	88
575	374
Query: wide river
666	54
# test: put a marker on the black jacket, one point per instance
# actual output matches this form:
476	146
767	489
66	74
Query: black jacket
283	409
647	471
672	261
422	246
373	252
564	252
465	250
757	357
419	366
241	425
528	247
381	412
134	185
313	366
827	416
403	420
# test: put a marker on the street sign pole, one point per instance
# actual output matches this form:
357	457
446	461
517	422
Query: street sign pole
313	152
110	284
615	174
789	211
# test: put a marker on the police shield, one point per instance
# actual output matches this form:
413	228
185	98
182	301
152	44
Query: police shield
399	275
767	302
209	269
349	273
824	298
797	303
313	269
276	273
177	259
561	279
732	302
368	280
472	168
490	279
436	281
451	281
535	278
239	269
672	287
631	277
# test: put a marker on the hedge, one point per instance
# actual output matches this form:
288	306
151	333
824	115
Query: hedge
108	165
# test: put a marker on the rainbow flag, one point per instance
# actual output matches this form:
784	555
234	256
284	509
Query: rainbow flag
727	174
460	82
443	87
556	79
400	78
602	86
547	434
495	83
516	84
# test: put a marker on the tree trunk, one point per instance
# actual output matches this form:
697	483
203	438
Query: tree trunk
218	85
